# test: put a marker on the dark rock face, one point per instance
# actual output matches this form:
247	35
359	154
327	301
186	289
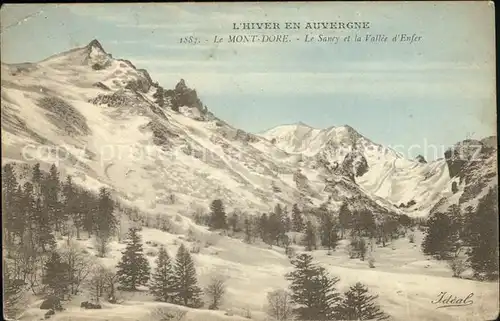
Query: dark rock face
140	84
461	154
51	303
354	165
474	162
421	159
90	305
182	95
49	313
124	99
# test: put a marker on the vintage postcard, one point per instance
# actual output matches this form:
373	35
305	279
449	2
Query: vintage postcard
249	161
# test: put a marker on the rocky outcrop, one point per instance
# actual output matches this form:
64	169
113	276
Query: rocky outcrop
421	159
354	165
462	154
474	163
127	100
182	95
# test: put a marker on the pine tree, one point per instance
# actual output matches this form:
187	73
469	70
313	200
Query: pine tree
358	304
104	221
345	219
133	269
159	96
163	280
50	189
55	275
187	291
363	223
297	220
217	215
328	299
328	230
71	204
482	237
88	206
441	237
36	178
309	240
29	211
312	290
275	229
10	202
263	227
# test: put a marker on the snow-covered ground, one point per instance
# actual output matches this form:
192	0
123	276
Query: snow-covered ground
405	280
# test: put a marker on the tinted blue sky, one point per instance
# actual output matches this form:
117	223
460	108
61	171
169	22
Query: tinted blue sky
436	91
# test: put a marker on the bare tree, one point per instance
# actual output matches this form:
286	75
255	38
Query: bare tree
97	283
103	281
79	265
279	305
215	291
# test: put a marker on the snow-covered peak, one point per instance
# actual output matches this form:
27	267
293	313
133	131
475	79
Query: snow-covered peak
96	46
93	54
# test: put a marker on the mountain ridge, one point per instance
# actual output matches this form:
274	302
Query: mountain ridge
207	157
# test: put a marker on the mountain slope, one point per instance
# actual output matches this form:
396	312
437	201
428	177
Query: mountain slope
97	118
381	172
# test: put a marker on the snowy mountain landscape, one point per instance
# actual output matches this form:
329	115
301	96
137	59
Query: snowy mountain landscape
165	157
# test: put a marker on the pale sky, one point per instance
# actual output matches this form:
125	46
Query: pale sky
438	91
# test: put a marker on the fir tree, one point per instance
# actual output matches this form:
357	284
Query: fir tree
159	96
104	221
309	240
345	219
10	202
297	219
441	237
71	204
29	210
263	228
88	206
363	223
328	230
358	304
187	291
36	178
274	228
55	275
44	236
312	290
217	215
50	189
163	280
133	269
482	237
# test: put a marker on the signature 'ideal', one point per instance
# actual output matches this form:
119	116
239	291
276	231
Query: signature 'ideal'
445	299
